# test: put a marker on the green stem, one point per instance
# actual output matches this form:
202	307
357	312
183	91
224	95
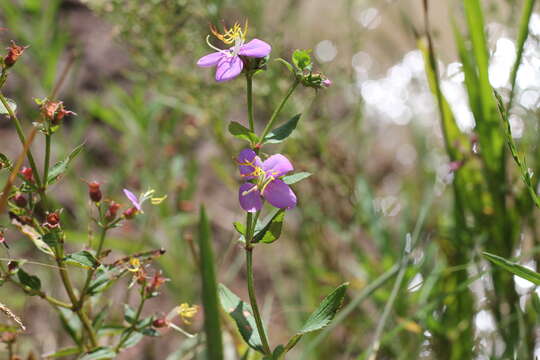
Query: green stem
135	320
22	138
92	271
47	160
73	298
249	81
250	226
276	112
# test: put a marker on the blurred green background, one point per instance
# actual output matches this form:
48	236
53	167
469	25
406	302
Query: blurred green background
386	168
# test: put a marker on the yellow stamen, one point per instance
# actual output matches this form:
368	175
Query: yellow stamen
230	36
135	265
187	312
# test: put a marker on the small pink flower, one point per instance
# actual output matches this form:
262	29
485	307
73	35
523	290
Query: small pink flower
133	199
228	62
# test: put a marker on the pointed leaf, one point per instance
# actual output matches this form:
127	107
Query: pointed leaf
99	354
60	168
243	317
31	281
271	230
241	132
281	133
63	352
514	268
321	317
83	258
294	178
302	60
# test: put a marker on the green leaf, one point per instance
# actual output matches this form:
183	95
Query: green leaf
71	324
31	281
281	133
241	132
150	332
133	340
129	313
63	352
243	317
12	105
51	238
241	228
212	327
5	163
287	64
84	259
271	230
514	268
294	178
34	235
302	60
99	354
321	317
105	276
61	167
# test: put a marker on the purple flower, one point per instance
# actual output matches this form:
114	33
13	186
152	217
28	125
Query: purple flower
133	199
228	62
266	181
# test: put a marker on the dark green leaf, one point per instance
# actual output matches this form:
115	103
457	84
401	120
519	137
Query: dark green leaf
63	352
271	230
209	290
321	317
241	132
243	317
61	167
281	133
150	332
31	281
99	354
12	105
302	60
294	178
104	278
51	238
514	268
83	259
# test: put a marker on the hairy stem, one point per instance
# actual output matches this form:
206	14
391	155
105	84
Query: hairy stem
249	82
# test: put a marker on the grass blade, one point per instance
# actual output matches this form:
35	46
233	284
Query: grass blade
214	344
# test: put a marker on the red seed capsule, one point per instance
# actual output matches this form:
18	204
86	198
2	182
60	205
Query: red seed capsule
14	53
110	215
159	323
94	191
53	219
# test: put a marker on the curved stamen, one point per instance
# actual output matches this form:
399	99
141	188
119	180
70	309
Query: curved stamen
225	52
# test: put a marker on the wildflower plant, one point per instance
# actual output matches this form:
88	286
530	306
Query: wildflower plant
88	273
266	183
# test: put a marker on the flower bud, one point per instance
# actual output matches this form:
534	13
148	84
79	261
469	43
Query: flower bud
14	52
327	83
53	220
94	191
160	322
156	282
19	200
12	266
28	174
130	213
110	215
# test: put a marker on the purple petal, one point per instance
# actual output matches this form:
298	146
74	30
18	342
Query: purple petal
131	196
277	165
248	156
255	48
280	195
252	201
210	59
228	68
